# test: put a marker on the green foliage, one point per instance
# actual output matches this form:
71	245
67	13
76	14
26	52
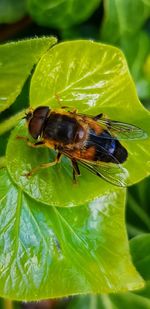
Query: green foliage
141	299
51	252
138	210
119	301
12	10
76	73
61	13
136	49
17	60
145	80
42	185
122	18
87	244
48	251
141	254
123	27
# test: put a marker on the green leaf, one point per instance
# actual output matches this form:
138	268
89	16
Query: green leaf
138	210
146	67
130	301
123	27
16	62
118	301
3	143
12	10
136	49
48	252
53	186
61	13
144	83
93	78
121	21
140	249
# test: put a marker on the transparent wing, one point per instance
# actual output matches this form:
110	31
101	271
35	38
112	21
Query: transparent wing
122	130
114	174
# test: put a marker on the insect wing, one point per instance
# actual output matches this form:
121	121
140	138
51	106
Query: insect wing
118	129
122	130
112	173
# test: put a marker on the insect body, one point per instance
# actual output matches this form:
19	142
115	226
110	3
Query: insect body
90	141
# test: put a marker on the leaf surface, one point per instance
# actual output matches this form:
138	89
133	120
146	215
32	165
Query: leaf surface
49	252
140	250
119	21
16	62
138	210
93	78
61	13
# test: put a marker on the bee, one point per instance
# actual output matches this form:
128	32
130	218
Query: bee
89	141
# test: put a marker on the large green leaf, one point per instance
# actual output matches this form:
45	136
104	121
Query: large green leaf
93	78
61	13
12	10
16	62
140	249
53	186
48	252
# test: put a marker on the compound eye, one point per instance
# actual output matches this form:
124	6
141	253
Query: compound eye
35	127
37	121
41	112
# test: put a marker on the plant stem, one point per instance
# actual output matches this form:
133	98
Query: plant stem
2	162
9	123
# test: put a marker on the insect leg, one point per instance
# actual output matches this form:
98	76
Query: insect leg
104	119
24	138
58	98
99	116
44	165
36	145
74	177
76	171
73	111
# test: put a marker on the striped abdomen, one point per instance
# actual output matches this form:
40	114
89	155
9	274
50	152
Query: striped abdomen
105	148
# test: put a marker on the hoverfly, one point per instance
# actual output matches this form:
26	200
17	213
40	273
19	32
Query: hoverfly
90	141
